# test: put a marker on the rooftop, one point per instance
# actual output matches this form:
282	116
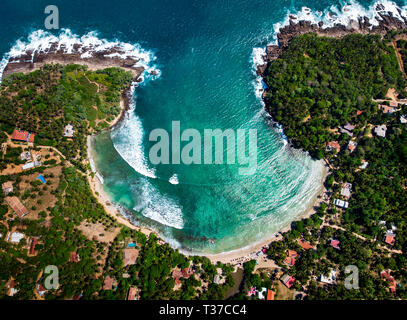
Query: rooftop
305	244
16	205
381	130
130	256
20	135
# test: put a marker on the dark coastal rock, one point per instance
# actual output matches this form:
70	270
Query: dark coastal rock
29	60
386	23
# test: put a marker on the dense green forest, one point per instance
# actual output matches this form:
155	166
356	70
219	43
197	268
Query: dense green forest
46	100
320	83
317	85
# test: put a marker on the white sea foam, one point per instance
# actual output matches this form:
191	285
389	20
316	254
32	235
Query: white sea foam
161	208
128	141
344	15
40	41
174	179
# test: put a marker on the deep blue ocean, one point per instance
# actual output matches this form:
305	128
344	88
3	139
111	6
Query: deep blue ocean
204	51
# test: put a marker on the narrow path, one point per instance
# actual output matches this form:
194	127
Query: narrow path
361	237
398	55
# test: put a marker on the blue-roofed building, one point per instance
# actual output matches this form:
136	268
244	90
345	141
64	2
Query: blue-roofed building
41	178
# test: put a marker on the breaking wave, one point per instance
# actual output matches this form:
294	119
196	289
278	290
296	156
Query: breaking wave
159	207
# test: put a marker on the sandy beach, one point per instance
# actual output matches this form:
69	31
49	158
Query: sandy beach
103	198
234	257
239	256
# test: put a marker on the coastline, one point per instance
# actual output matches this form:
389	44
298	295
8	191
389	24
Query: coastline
104	199
241	255
271	53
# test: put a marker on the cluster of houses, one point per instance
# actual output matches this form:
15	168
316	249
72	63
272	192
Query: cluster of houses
292	256
130	255
262	294
379	130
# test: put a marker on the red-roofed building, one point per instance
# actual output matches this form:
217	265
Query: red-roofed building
74	257
270	294
335	244
305	244
288	280
390	238
109	283
133	294
385	274
34	242
386	109
24	136
176	275
333	145
187	272
40	290
359	112
291	257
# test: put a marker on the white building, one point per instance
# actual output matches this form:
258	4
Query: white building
330	278
364	164
31	165
15	237
381	130
69	131
262	293
341	204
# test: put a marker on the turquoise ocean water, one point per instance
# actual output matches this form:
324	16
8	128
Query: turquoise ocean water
204	51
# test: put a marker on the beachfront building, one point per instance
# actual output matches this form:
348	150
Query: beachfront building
341	204
330	278
381	130
18	208
7	187
333	145
287	280
23	136
69	131
291	258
